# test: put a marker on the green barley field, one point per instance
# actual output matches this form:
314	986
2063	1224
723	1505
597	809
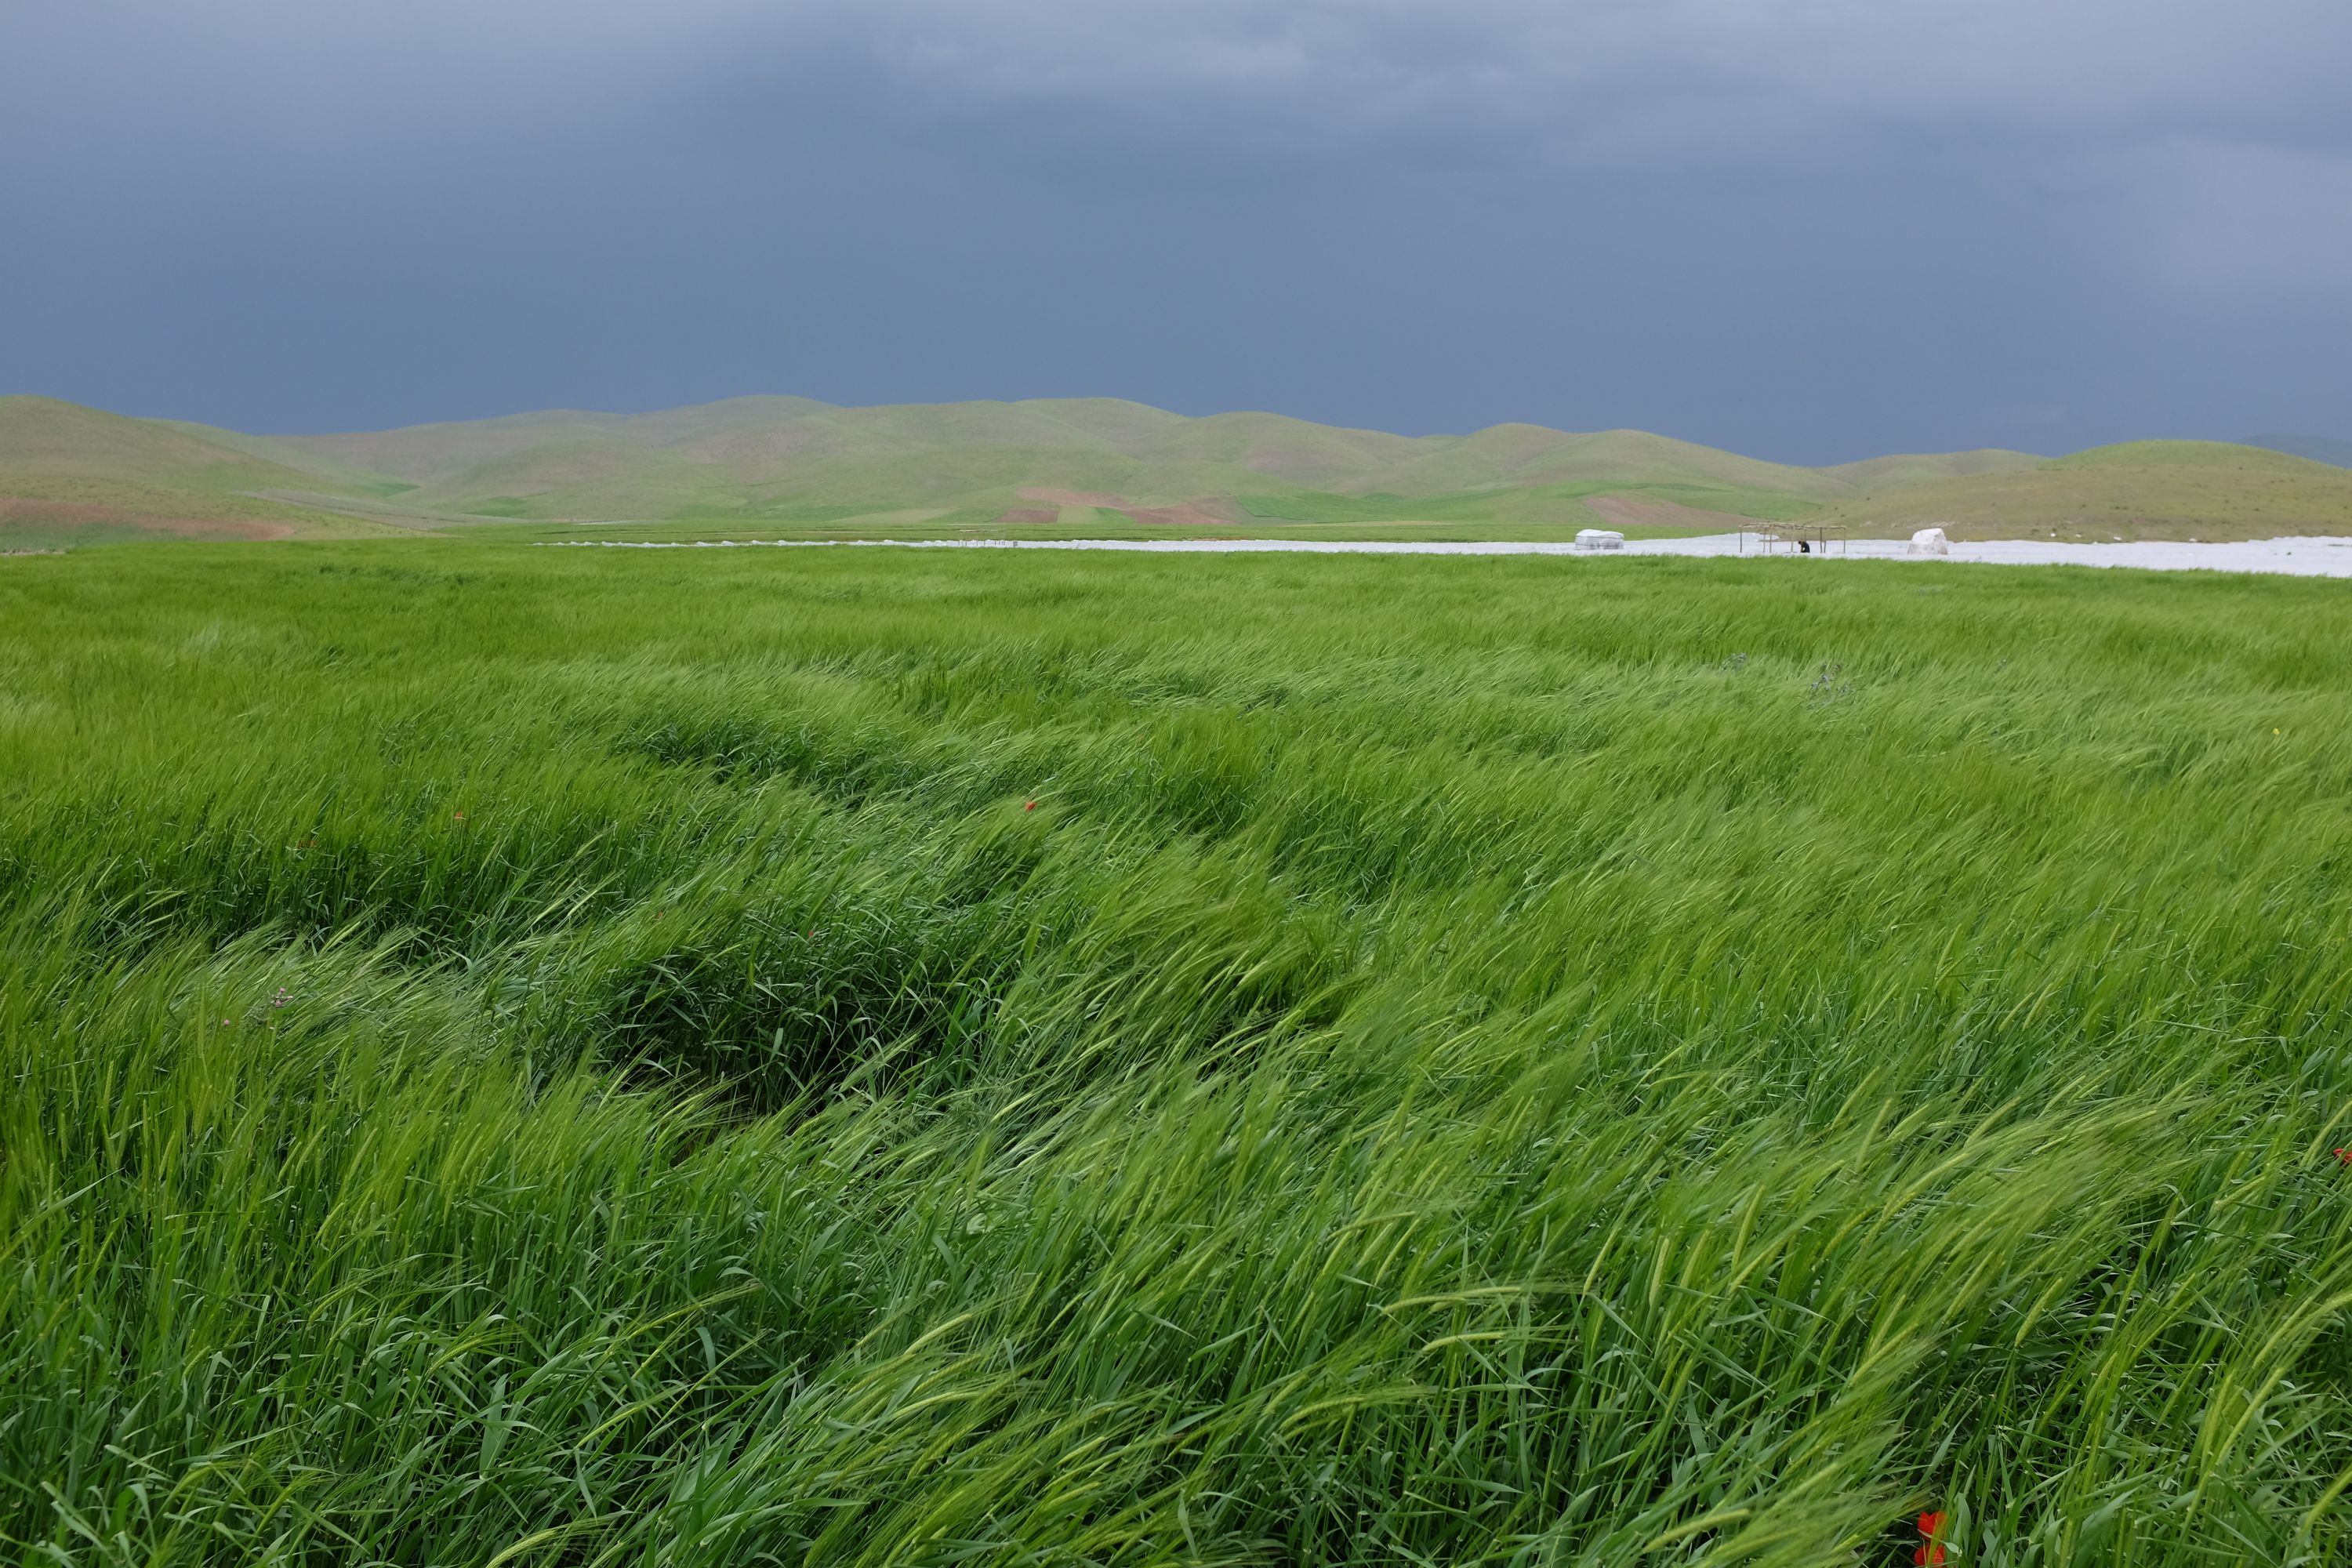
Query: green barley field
525	1056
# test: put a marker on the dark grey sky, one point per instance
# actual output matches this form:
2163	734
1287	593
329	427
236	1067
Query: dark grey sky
1809	229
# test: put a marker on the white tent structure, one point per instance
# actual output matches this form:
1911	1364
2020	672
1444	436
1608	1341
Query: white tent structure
1930	541
1600	539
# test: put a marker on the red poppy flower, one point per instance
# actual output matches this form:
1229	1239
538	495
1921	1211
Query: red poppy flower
1033	805
1931	1525
2344	1155
1927	1555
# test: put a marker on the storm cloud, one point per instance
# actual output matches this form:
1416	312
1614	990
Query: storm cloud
1809	229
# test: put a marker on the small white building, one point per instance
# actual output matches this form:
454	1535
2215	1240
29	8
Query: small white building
1930	541
1600	539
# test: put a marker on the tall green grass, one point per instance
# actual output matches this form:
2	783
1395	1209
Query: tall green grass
529	1057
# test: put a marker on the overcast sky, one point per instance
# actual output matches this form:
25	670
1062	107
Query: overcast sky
1807	229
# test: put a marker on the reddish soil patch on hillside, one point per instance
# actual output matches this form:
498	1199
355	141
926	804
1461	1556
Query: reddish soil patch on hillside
1074	497
1029	517
1641	512
1179	514
84	515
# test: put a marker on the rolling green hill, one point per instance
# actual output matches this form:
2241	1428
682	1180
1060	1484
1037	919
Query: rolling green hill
2139	490
1874	474
1091	464
2215	455
69	474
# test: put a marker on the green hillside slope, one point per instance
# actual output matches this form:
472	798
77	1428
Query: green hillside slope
2139	490
42	435
1921	467
2211	454
1529	456
283	454
2330	450
70	474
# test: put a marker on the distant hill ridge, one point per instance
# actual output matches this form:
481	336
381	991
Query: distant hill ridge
756	440
757	454
796	459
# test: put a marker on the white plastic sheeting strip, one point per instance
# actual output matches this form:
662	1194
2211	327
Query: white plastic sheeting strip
2295	557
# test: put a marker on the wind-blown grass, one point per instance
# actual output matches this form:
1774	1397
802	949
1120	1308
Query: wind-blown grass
532	1057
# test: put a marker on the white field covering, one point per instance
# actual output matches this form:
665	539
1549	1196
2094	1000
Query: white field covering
2295	557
